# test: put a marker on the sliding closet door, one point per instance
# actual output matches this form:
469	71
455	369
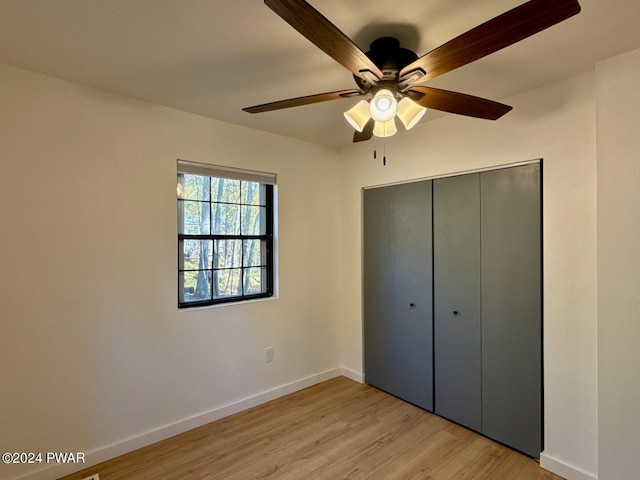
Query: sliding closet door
511	307
457	320
398	300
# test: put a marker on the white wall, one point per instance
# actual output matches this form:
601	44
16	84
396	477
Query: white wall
556	123
93	351
618	123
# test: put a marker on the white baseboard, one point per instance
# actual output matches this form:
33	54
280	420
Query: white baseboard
563	469
106	453
352	374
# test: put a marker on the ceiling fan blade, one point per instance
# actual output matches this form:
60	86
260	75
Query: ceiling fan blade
366	133
299	101
489	37
325	35
459	103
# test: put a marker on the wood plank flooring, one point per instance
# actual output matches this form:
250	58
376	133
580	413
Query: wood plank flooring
335	430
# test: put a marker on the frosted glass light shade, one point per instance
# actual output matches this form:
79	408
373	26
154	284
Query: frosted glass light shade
409	112
383	106
385	129
358	116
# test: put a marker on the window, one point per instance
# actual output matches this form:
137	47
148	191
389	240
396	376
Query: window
225	234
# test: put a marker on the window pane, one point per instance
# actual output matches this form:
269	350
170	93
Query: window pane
226	219
195	217
195	286
253	253
225	190
228	253
253	220
255	280
232	265
197	254
252	193
193	187
227	283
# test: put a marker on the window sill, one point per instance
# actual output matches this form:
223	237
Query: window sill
227	304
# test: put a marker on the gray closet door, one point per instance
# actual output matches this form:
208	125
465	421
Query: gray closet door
457	320
398	342
379	292
511	307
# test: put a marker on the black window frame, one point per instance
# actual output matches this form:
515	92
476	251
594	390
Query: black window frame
267	237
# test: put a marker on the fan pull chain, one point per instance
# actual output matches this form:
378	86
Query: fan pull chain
384	152
375	148
384	155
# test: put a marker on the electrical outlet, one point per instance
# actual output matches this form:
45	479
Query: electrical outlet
95	476
268	354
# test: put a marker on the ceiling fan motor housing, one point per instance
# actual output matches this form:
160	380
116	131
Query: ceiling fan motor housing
387	54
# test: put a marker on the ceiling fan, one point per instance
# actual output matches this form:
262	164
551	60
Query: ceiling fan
388	76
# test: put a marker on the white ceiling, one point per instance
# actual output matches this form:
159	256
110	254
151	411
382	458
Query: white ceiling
214	57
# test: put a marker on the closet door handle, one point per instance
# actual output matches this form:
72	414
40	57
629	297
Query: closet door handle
412	305
456	313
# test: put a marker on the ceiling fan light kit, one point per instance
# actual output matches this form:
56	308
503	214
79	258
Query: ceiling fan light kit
391	76
382	109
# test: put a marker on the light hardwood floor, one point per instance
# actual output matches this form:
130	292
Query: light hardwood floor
335	430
